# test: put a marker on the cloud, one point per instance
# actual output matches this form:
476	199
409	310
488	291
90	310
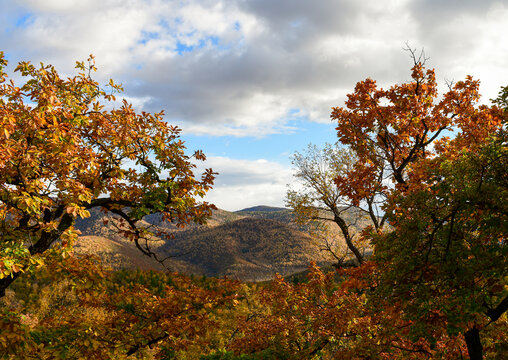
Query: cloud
244	183
238	66
435	13
465	38
306	59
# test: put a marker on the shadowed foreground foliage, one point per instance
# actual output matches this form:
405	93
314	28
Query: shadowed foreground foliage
114	315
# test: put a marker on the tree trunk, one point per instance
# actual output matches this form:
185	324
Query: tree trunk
347	237
6	282
474	344
43	244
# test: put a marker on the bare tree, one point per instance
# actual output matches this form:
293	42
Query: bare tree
318	203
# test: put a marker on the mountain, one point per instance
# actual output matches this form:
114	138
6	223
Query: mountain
283	215
115	252
261	208
251	244
219	217
246	249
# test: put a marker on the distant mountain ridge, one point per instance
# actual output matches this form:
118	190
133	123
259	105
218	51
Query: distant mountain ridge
262	208
284	215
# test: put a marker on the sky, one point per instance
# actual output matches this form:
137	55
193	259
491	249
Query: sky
252	81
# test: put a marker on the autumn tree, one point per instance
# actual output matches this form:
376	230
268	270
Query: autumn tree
437	280
74	308
318	203
446	261
67	146
330	316
388	130
445	197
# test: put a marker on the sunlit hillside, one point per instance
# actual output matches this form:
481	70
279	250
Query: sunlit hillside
254	244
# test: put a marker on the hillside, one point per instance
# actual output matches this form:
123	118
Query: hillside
272	213
116	252
261	208
286	215
246	245
247	249
219	217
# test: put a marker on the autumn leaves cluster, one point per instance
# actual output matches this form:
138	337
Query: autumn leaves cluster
428	172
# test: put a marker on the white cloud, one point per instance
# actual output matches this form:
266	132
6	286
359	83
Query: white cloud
240	67
237	66
245	183
465	38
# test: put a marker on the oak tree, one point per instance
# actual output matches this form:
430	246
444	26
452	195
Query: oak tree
446	260
437	280
444	196
67	146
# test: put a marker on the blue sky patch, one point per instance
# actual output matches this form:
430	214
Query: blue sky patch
275	147
25	20
182	48
147	36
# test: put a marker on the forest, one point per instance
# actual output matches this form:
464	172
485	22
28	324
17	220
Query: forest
423	277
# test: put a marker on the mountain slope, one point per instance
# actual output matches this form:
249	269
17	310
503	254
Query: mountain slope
283	215
261	208
246	245
247	249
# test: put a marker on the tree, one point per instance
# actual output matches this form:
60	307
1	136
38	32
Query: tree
502	99
330	319
449	230
389	130
78	309
319	203
64	152
446	260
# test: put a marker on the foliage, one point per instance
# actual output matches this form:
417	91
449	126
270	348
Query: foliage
330	317
502	99
64	152
391	130
229	355
81	311
436	286
445	260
